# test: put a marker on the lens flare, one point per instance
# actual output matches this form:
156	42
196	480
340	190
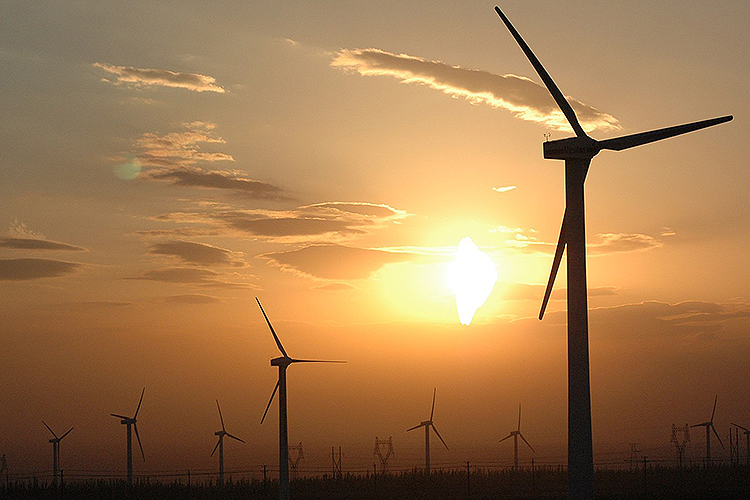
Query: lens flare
472	277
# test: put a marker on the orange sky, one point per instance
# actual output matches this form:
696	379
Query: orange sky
164	165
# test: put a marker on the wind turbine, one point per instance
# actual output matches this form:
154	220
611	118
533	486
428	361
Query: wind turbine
220	445
710	426
515	434
747	435
283	363
55	452
578	152
131	422
427	424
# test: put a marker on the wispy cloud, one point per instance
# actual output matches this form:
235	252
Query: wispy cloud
231	180
320	222
160	77
190	275
200	254
194	298
37	244
503	189
519	95
334	262
614	243
29	269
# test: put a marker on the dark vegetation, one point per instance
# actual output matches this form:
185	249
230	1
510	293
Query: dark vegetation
724	482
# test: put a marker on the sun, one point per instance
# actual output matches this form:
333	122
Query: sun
471	277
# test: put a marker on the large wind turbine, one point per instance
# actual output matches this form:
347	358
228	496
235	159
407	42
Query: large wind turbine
283	363
131	422
55	452
710	426
427	424
577	152
515	434
220	444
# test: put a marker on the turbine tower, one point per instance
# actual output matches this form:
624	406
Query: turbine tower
220	445
578	152
515	434
747	436
427	424
55	452
283	363
131	423
710	426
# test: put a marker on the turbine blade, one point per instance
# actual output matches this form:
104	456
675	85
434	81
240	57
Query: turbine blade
273	332
519	418
138	437
220	417
738	425
630	141
48	428
714	412
66	433
315	361
438	435
557	95
120	416
432	412
215	447
415	427
506	437
269	402
139	404
561	242
717	435
527	443
235	437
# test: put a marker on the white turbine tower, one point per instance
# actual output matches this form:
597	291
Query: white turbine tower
220	444
55	452
578	152
131	422
283	363
427	424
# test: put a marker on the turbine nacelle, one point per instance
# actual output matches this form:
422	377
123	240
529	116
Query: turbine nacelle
571	147
282	361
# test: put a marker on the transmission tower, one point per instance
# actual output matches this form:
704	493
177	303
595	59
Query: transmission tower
680	444
336	463
388	445
633	462
734	446
294	462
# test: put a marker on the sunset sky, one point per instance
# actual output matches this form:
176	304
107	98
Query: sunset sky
164	163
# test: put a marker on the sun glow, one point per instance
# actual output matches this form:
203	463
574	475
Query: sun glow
472	277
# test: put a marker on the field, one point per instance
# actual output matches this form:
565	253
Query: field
725	482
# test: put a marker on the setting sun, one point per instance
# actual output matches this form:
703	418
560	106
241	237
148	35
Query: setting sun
472	277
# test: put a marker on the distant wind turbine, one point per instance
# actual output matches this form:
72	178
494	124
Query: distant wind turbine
710	426
131	422
283	363
515	434
747	436
55	452
220	444
578	152
427	424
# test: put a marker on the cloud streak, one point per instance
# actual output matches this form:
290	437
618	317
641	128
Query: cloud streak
30	269
38	244
160	78
200	254
519	95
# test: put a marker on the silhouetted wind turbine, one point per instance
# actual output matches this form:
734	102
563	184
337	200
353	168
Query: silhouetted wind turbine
577	152
747	435
427	424
710	426
515	434
220	444
283	362
131	422
55	452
